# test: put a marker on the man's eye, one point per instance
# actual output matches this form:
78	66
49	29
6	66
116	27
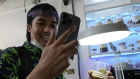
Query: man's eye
52	25
42	24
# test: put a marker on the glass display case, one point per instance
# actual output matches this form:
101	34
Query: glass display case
127	14
111	10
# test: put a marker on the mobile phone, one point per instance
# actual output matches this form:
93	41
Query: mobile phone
67	20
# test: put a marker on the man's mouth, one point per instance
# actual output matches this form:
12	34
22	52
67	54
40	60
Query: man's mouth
46	38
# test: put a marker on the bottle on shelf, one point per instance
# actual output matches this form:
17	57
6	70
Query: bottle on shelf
122	46
138	44
131	46
103	48
94	51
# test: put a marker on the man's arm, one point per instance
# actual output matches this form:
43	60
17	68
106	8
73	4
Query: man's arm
54	58
8	64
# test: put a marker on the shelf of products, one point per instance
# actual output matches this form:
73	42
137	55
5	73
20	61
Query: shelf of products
135	28
128	52
130	17
125	52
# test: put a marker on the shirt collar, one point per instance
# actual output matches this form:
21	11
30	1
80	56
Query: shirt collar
32	48
34	42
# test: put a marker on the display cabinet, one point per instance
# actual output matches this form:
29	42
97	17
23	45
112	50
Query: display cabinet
127	14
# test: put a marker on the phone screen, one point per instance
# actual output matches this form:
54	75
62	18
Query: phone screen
67	20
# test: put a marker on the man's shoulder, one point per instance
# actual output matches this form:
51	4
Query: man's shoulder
11	50
9	60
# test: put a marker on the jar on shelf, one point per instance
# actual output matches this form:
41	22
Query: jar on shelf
94	51
136	19
138	44
120	20
136	15
98	23
127	18
122	46
131	46
103	48
109	21
129	22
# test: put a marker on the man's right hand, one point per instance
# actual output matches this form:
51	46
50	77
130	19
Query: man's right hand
54	58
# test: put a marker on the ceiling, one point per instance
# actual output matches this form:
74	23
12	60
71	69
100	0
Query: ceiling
7	5
11	5
91	2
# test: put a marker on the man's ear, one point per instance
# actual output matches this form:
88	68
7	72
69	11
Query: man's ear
29	27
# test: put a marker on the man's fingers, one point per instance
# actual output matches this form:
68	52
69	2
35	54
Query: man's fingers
65	35
109	73
71	47
110	77
51	39
71	44
90	72
71	52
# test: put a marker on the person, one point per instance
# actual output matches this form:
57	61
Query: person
41	56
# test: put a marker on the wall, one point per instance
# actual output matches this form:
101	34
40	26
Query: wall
12	28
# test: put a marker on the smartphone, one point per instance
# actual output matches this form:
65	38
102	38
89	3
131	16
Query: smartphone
67	20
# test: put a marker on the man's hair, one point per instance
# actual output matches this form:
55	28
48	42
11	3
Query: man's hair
44	9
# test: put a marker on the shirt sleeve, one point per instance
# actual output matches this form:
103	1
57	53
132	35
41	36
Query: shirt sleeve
8	65
2	65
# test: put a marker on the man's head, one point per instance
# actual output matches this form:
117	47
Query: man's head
41	19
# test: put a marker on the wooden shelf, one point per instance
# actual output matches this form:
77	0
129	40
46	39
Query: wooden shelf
137	51
130	51
134	28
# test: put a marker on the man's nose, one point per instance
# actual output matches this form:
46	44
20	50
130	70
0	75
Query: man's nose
46	29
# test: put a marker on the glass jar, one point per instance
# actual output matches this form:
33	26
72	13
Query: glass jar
94	51
120	20
136	15
103	48
138	44
136	19
98	24
122	46
109	21
131	46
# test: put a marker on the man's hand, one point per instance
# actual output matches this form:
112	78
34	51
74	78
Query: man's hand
54	58
109	75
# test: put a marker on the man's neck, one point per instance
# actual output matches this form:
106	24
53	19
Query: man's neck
34	42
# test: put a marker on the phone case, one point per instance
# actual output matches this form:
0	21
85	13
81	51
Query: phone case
67	20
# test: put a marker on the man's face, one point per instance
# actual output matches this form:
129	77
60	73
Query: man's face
41	28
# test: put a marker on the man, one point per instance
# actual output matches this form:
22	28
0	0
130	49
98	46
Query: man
41	56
